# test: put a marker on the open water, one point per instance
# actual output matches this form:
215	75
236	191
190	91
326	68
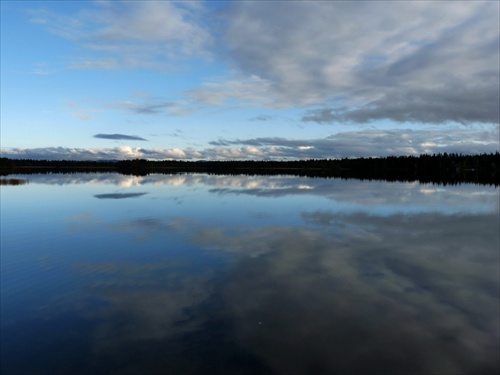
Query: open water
212	274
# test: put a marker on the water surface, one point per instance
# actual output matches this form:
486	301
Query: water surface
197	274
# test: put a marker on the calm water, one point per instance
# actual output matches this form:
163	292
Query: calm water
204	274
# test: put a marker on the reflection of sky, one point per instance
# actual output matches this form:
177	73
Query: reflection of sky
215	274
340	195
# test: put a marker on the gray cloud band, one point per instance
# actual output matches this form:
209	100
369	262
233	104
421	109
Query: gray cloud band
364	143
120	137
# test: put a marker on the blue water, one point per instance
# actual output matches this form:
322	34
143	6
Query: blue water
204	274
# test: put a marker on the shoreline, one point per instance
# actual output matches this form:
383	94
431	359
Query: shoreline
441	168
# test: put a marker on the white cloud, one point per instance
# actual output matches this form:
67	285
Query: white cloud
364	143
251	90
149	22
132	34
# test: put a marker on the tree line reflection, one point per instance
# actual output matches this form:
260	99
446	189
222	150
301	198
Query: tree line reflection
13	181
439	168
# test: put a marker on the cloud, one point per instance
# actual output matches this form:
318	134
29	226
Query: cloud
410	61
235	91
153	106
363	143
455	104
262	118
66	153
120	136
103	63
133	34
371	142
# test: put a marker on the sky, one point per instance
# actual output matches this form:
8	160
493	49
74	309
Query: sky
262	80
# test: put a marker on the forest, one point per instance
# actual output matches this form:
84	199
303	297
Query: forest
439	168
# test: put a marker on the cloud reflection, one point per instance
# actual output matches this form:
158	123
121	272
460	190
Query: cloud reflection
398	196
403	294
345	293
119	195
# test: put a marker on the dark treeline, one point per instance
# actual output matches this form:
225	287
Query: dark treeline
439	168
13	181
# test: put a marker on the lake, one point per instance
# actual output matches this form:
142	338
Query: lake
219	274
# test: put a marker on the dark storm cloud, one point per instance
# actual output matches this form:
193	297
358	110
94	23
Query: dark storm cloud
120	136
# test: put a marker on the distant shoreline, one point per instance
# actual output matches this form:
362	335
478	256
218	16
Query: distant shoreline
440	168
